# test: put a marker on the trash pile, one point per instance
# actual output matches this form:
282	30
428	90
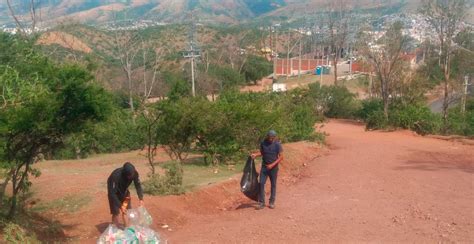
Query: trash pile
138	233
249	182
139	217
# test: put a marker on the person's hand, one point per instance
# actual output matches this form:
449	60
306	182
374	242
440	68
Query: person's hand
253	156
269	166
123	209
142	203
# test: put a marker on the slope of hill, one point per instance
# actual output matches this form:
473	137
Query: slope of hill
97	11
223	11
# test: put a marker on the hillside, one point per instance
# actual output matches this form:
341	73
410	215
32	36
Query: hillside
220	11
92	46
97	11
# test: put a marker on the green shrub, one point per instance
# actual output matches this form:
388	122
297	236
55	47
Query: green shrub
179	87
302	116
256	68
169	184
228	76
415	117
376	120
334	101
460	124
469	131
369	106
234	124
13	233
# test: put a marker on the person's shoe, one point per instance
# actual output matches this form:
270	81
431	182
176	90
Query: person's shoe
260	206
272	205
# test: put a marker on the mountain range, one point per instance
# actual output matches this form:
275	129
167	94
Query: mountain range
220	11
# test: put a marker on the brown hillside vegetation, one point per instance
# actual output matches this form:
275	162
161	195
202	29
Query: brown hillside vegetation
224	11
65	40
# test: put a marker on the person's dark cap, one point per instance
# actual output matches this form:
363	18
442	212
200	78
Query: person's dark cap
128	170
271	133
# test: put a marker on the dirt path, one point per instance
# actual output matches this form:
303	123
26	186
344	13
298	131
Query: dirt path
372	186
369	186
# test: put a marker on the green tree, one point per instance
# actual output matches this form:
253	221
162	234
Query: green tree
256	68
40	106
176	127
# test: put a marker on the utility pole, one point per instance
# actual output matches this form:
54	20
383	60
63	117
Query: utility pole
464	95
327	57
288	55
299	61
320	55
192	70
192	53
321	74
350	62
275	53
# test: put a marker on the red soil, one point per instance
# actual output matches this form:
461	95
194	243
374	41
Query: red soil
368	186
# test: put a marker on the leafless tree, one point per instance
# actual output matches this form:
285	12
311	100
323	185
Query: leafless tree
445	18
385	56
233	50
127	47
292	41
151	67
337	22
22	28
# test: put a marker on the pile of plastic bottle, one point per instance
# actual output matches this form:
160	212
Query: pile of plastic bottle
138	232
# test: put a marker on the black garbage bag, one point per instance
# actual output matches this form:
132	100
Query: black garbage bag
249	182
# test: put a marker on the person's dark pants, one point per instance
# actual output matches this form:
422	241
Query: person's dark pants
272	174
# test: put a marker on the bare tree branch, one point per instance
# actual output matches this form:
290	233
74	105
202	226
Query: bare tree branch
19	26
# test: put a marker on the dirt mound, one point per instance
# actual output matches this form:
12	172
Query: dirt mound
225	195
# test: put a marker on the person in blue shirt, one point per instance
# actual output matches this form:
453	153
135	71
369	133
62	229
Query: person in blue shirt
271	153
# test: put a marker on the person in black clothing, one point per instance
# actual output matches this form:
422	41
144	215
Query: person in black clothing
118	194
271	153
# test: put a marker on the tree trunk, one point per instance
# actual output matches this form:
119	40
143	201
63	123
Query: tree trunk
385	97
3	188
385	108
12	212
445	106
335	67
446	72
150	156
130	93
17	186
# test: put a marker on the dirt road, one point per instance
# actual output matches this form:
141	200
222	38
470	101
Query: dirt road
368	186
371	186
